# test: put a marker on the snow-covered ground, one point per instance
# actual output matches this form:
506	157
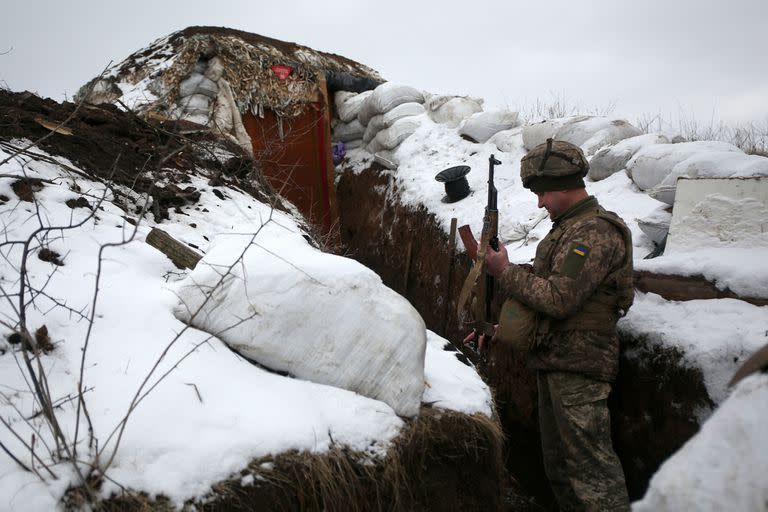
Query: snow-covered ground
201	411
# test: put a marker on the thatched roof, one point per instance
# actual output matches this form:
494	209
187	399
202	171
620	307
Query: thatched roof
247	66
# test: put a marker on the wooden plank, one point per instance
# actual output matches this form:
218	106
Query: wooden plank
180	254
673	287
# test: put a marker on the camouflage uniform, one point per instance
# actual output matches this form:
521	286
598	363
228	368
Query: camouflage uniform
577	276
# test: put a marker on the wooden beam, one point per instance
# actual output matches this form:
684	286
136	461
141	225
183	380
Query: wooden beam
180	254
673	287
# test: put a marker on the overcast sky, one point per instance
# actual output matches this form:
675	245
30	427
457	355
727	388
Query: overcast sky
702	58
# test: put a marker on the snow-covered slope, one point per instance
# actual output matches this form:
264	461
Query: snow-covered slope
198	411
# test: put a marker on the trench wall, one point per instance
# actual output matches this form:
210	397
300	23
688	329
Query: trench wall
654	403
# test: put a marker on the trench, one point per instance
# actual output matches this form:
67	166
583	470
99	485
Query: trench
654	402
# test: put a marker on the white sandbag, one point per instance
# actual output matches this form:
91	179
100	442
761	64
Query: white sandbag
317	316
382	121
353	144
595	132
215	69
348	104
651	164
374	126
452	110
227	118
387	159
482	126
535	134
508	141
729	164
385	97
612	159
391	137
195	102
198	84
345	132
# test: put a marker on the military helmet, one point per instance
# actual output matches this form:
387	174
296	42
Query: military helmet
554	165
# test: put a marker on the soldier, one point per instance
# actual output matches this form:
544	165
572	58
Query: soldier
581	283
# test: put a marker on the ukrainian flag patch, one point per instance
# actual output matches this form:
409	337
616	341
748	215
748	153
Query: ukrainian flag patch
574	260
581	249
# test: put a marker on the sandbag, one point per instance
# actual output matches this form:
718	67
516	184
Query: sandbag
538	133
391	137
508	141
612	159
317	316
595	132
482	126
452	110
227	118
386	97
382	121
353	144
346	132
387	159
348	104
198	84
195	103
712	164
215	69
652	164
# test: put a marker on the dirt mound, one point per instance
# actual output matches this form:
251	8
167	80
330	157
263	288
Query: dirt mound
110	145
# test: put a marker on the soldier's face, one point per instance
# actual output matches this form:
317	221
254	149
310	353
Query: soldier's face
555	202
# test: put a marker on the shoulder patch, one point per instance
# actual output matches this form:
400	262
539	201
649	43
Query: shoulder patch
574	259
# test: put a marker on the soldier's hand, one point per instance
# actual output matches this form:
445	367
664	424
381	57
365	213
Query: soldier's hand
496	262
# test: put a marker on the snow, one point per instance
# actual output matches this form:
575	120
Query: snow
723	467
200	413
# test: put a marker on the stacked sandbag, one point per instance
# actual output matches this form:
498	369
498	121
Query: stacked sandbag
613	159
655	169
389	114
205	97
196	95
385	97
451	110
483	125
591	133
381	122
346	128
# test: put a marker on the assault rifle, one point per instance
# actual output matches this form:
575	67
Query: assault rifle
478	283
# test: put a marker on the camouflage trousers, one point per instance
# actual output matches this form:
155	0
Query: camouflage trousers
583	470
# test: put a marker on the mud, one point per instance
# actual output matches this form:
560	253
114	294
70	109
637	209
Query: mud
146	156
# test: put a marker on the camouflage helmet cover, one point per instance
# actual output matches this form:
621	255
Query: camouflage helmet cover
554	165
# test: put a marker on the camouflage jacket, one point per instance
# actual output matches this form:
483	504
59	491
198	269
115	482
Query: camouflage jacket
571	289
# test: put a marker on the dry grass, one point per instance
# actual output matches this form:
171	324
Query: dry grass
442	460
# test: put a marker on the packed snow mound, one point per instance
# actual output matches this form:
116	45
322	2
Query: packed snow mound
656	168
723	467
723	221
614	158
452	384
591	133
317	316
